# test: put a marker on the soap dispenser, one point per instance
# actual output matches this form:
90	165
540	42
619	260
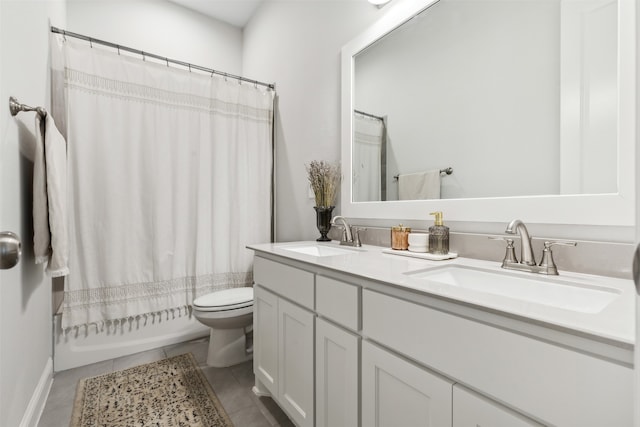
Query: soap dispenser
438	236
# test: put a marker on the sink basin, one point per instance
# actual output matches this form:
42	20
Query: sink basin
319	250
549	291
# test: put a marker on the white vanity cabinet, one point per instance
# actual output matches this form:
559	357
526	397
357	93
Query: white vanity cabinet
337	352
539	379
265	338
396	392
340	349
295	364
336	376
471	409
283	337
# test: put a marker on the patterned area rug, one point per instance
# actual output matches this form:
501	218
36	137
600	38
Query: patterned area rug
167	393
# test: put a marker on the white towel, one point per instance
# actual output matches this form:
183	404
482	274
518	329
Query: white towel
419	186
41	236
50	237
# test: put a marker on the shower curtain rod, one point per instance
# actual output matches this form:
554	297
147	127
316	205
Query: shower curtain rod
144	54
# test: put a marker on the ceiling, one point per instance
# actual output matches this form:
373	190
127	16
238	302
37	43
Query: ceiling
234	12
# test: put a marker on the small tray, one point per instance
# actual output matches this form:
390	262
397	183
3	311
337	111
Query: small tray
421	255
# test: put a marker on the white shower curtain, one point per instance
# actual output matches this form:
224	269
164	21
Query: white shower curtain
367	151
169	179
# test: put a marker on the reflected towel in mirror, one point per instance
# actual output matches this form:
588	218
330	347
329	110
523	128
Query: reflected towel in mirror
419	186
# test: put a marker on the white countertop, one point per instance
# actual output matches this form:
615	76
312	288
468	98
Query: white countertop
615	322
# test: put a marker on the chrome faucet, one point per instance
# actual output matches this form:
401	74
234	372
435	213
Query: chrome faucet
347	228
347	236
527	259
526	251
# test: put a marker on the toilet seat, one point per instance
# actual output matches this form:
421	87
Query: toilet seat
225	300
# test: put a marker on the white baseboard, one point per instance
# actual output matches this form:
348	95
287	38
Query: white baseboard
260	393
260	390
38	399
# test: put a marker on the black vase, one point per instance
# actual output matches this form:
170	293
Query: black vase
323	221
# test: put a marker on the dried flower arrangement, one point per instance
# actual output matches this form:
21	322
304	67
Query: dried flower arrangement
324	178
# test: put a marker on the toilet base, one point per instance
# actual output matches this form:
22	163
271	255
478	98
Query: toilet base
228	347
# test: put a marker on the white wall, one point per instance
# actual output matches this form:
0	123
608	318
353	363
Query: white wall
25	293
162	28
297	45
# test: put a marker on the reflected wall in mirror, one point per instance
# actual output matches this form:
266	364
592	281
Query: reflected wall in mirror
369	157
519	97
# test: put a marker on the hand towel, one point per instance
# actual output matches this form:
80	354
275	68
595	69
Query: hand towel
51	242
41	235
419	186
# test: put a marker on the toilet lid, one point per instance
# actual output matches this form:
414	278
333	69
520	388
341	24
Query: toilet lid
227	299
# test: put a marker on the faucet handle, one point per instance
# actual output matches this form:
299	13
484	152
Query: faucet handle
356	236
547	261
344	231
510	253
549	243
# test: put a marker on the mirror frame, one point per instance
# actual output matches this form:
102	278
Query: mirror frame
611	209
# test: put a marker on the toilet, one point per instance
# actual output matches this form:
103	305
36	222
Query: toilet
229	314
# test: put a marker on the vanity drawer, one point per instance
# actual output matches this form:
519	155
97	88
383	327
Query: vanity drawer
289	282
338	301
473	409
526	374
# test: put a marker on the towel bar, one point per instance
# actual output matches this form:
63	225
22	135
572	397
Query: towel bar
448	171
15	107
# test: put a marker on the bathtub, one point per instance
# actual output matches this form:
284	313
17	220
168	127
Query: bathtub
83	346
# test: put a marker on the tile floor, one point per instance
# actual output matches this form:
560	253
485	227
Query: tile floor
232	385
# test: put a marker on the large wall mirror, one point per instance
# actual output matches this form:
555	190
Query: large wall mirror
491	110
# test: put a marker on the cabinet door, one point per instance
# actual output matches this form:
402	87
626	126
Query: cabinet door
295	368
265	338
396	392
473	410
336	376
